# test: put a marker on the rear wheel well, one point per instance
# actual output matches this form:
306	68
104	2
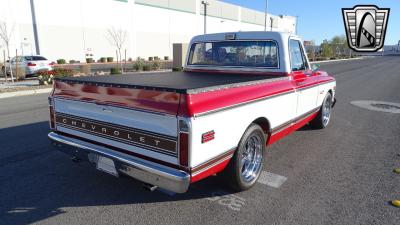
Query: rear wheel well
264	124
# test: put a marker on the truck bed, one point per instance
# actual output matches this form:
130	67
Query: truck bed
180	82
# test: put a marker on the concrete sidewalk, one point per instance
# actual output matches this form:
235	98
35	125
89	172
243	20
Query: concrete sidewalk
25	92
21	88
336	60
28	82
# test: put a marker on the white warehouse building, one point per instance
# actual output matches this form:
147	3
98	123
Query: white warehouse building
72	29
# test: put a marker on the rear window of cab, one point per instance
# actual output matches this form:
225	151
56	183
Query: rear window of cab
235	53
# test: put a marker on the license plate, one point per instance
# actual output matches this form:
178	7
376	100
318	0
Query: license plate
106	165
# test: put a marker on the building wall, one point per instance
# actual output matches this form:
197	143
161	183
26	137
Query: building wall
70	29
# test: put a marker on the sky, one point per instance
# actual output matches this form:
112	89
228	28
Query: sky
322	19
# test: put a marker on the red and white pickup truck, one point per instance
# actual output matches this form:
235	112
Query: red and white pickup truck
238	93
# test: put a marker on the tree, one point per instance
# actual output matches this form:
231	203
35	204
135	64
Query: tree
311	50
339	43
5	36
117	37
326	49
336	40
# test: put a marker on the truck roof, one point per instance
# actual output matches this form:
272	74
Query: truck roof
180	82
244	35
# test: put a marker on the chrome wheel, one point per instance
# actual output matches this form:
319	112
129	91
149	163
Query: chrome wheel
326	110
251	158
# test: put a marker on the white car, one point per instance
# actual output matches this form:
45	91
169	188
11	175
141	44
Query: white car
32	64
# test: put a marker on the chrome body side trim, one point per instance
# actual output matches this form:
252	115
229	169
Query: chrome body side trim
285	125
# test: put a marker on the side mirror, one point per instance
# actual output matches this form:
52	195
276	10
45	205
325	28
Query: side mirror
7	61
315	67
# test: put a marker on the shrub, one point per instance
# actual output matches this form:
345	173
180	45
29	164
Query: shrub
61	61
60	72
151	58
177	69
89	60
115	70
47	77
72	61
146	67
139	64
103	59
110	59
166	58
156	65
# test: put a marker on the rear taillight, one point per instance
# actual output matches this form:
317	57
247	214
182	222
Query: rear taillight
31	64
52	120
183	143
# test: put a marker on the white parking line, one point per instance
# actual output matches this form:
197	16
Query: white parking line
271	179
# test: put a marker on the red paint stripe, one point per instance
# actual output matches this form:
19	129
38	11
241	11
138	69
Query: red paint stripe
213	100
280	134
212	170
157	101
193	104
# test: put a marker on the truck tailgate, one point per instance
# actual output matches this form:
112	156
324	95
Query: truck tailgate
136	120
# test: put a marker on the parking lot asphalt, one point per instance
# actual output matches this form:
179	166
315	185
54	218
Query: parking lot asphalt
339	175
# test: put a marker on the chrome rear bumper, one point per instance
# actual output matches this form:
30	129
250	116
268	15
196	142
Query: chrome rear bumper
162	176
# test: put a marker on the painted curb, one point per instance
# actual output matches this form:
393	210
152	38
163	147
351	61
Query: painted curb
336	60
27	92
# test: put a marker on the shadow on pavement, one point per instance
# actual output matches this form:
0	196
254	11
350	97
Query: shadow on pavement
38	182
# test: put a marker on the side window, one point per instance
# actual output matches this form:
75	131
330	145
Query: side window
297	58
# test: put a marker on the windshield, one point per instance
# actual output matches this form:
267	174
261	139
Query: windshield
235	53
35	58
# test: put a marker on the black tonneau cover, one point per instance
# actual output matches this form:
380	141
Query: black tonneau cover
181	82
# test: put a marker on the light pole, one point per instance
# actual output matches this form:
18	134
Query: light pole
272	20
205	3
297	19
398	45
265	16
34	23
